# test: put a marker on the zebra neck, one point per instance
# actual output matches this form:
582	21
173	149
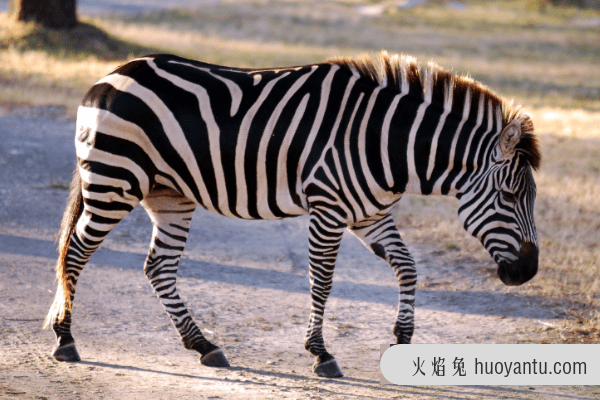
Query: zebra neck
433	150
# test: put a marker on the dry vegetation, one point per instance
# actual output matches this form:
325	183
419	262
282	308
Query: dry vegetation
42	66
545	60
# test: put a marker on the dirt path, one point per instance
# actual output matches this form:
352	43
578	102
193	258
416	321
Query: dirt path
246	282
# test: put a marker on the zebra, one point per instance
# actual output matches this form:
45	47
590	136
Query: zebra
341	141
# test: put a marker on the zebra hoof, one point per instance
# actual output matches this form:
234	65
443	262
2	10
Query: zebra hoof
402	340
215	358
68	352
328	369
403	336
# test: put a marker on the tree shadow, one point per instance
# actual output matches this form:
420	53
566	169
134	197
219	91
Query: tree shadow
79	43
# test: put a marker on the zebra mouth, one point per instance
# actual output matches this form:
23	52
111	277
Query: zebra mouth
522	269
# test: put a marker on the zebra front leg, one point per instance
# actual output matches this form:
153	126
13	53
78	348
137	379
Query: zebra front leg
324	241
382	237
171	215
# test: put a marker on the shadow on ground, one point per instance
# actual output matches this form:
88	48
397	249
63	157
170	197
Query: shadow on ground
464	302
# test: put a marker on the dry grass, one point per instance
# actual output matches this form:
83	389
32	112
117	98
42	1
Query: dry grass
42	66
541	59
547	61
240	52
80	43
21	72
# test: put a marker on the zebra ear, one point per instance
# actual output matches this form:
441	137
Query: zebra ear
510	137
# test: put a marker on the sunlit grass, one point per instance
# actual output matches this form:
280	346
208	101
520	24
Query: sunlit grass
503	16
31	73
79	44
552	63
42	66
35	77
214	49
565	122
23	65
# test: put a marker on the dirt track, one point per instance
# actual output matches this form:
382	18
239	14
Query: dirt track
246	282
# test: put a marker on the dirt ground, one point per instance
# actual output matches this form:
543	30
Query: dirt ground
246	283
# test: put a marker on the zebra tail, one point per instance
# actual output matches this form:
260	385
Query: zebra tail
63	299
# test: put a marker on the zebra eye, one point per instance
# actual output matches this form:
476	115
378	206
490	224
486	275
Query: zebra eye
508	196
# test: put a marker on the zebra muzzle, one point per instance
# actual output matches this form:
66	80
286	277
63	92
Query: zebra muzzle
522	269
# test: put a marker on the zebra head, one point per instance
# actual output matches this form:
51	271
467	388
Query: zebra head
497	205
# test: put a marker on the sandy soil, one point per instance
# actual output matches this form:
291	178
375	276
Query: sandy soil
246	283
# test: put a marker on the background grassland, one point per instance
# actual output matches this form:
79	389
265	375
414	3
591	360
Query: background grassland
547	61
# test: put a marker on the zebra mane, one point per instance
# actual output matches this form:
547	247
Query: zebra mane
431	83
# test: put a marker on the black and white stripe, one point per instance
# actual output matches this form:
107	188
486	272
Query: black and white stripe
341	141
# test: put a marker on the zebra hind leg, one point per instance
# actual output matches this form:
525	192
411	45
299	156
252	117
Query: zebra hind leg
171	215
324	242
382	237
84	227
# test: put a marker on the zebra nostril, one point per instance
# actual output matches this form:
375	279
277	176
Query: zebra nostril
528	250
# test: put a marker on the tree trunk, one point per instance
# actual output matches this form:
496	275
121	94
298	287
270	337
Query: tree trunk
56	14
